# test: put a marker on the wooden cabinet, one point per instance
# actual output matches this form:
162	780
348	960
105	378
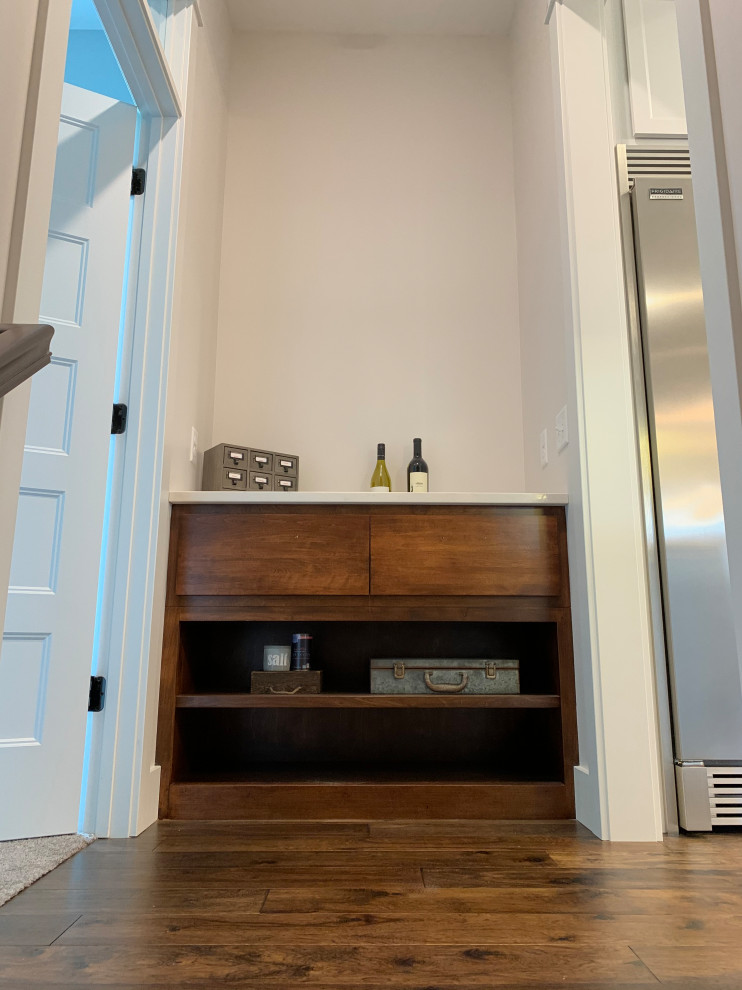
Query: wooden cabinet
365	581
271	552
483	552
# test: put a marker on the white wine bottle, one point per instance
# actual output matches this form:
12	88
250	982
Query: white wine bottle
417	469
380	480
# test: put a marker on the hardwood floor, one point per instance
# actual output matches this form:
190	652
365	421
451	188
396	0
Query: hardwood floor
419	906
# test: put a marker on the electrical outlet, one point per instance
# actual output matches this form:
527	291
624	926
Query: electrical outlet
562	429
544	448
194	445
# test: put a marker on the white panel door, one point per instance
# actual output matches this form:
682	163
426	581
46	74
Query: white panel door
655	76
48	639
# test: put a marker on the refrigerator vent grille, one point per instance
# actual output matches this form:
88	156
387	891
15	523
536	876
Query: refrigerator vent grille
657	161
725	795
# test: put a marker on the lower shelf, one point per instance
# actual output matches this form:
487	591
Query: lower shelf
363	774
354	800
330	700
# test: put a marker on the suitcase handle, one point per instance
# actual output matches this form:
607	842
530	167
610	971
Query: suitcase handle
295	691
447	688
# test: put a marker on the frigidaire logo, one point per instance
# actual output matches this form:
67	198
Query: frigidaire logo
665	193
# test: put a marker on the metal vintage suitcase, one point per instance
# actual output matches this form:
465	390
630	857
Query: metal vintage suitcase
448	676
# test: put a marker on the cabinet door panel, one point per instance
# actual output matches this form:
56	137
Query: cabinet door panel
655	73
272	553
481	552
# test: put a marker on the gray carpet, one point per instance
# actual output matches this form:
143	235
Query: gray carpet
24	860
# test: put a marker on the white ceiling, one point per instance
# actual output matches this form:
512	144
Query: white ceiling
463	17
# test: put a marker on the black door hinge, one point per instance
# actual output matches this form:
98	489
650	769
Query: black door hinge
138	181
97	696
118	420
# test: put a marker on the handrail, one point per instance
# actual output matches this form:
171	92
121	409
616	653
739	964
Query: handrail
24	350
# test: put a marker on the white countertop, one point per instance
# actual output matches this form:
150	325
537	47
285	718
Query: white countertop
367	498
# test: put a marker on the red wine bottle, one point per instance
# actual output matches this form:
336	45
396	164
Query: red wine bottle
417	469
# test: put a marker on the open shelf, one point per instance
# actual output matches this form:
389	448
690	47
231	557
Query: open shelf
365	772
219	657
235	700
346	752
346	744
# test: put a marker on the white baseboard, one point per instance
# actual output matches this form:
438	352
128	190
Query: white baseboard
149	798
587	801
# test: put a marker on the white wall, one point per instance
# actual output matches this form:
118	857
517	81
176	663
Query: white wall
191	373
541	290
369	279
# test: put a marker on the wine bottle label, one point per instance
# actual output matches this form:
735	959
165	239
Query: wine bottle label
380	488
418	481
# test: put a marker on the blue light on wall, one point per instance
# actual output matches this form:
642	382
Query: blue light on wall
91	63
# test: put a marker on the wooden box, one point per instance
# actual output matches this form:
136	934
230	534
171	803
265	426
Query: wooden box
229	467
286	682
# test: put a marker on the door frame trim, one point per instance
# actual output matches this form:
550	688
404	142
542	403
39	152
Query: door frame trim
149	70
618	783
119	789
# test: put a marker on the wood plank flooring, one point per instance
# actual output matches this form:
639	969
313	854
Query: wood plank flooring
419	906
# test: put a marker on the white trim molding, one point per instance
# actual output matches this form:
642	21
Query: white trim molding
618	782
550	10
135	514
198	13
144	63
123	785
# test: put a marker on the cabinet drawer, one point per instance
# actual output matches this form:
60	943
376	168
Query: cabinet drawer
234	478
234	457
241	551
478	552
258	481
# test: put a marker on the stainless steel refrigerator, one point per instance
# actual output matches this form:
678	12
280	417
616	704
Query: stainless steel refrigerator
697	653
